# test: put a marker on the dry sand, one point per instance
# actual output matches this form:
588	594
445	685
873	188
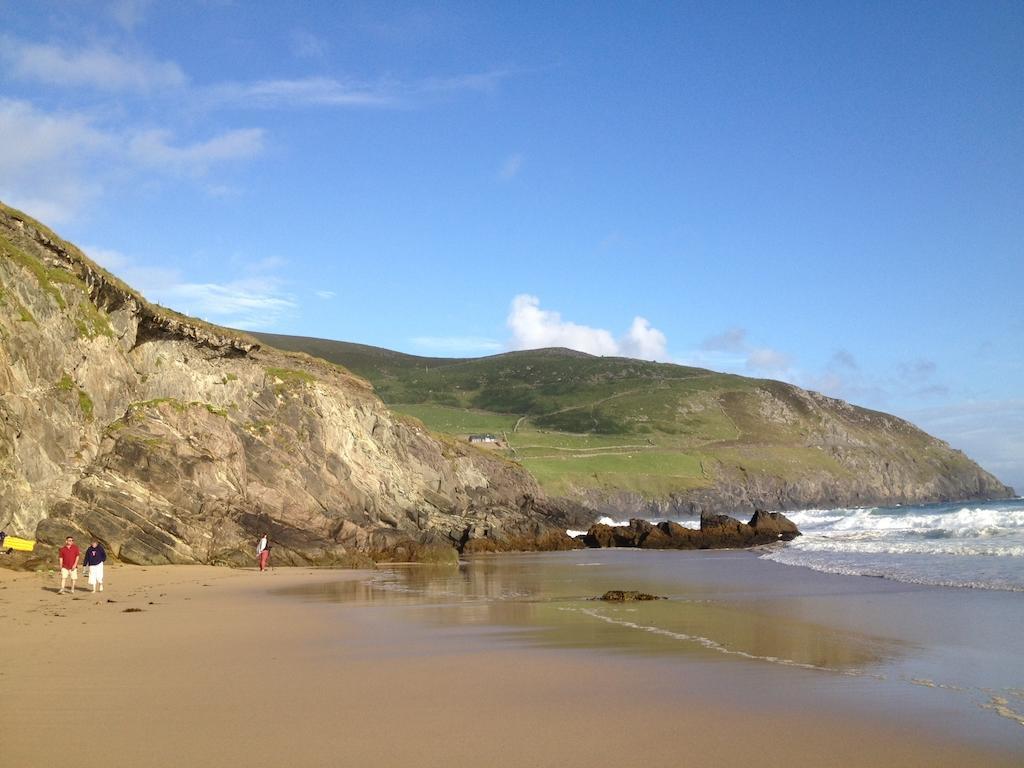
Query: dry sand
213	670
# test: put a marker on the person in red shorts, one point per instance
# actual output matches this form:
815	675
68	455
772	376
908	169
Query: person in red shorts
69	555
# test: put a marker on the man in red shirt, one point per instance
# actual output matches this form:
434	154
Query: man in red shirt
68	564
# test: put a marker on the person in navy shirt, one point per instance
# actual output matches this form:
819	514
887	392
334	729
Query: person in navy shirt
95	557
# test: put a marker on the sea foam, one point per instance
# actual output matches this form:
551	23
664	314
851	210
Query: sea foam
979	545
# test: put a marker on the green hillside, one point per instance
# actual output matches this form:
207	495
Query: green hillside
586	425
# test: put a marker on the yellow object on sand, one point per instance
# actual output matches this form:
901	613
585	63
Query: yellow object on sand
22	545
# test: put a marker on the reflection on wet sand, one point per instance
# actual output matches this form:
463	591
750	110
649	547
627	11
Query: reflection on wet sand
548	601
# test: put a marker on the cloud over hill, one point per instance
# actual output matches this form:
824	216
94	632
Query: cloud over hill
534	328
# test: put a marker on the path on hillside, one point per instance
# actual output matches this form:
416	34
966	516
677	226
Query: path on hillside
731	420
589	455
568	408
605	448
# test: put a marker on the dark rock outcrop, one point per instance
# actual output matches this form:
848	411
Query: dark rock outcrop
627	596
716	532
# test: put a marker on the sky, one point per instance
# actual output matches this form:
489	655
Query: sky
831	194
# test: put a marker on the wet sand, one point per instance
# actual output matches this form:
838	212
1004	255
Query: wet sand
224	668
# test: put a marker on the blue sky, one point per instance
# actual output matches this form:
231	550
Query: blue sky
830	194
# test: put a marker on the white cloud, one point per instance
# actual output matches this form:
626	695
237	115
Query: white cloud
44	159
106	69
93	68
320	91
644	342
154	148
511	167
32	137
326	295
457	344
246	304
58	204
309	91
148	280
52	164
252	303
535	328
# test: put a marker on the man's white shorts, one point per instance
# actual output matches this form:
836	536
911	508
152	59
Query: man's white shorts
73	573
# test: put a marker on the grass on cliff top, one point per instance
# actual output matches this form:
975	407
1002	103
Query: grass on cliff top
89	322
48	277
13	214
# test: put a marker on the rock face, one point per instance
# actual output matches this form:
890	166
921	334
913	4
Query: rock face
716	532
177	442
868	479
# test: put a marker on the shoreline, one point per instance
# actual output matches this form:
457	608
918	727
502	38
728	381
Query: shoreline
212	669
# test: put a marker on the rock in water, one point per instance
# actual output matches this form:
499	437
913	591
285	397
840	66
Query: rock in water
624	596
716	532
769	524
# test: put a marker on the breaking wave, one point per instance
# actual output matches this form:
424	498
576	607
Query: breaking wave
979	545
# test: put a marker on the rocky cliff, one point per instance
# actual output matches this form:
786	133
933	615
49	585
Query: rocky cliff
176	441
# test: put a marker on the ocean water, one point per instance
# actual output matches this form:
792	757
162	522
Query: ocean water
978	544
736	627
964	544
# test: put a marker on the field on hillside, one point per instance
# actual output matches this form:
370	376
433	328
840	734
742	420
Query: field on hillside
580	422
652	464
458	421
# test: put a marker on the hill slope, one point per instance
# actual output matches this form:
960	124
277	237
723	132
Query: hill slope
176	441
636	437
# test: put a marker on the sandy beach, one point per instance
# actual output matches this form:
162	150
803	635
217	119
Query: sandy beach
201	666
